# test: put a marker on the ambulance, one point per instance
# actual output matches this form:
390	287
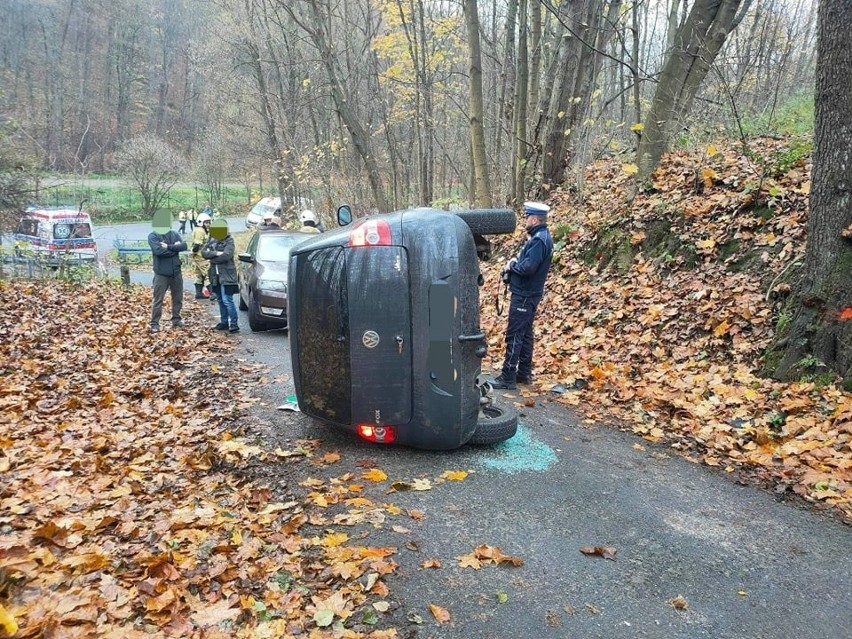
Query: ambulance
56	235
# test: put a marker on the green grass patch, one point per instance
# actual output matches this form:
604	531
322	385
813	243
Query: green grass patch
113	200
793	116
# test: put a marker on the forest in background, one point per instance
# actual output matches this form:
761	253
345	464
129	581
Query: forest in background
370	101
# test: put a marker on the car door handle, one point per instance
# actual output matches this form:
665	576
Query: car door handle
476	337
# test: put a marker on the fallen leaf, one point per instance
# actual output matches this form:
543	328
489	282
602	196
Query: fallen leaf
323	617
375	475
469	561
7	622
607	552
215	614
454	475
442	615
421	484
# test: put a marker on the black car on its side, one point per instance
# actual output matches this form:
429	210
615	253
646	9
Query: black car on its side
384	328
262	275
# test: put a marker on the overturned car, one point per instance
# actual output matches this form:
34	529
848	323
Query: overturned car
384	328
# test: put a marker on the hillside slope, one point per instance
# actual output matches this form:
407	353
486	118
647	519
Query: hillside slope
658	311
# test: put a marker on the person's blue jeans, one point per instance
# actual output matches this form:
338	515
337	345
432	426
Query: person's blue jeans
227	309
519	337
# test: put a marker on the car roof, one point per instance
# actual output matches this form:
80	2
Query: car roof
280	232
55	212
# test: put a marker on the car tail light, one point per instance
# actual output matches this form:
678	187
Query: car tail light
371	233
378	434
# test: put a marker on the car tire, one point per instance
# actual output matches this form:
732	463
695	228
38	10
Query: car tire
242	304
255	324
499	424
490	221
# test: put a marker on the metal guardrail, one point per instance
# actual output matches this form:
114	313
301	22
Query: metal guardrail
138	252
132	251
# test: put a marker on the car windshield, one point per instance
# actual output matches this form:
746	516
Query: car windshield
276	248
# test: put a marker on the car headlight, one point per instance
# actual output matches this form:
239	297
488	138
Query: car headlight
272	285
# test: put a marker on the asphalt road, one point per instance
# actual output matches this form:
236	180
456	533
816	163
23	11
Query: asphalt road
106	234
746	564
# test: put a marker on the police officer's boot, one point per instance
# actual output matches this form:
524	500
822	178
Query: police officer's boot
199	291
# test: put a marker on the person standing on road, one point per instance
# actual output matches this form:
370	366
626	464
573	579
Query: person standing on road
166	246
182	220
191	218
200	237
527	274
223	274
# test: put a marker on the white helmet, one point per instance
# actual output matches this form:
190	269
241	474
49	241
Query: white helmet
307	216
204	217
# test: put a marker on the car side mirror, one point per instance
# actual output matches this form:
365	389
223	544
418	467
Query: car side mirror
344	215
245	257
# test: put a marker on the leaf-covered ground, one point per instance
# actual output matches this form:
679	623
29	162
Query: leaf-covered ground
121	512
125	504
659	310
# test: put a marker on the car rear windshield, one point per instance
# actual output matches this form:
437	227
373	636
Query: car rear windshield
322	300
276	248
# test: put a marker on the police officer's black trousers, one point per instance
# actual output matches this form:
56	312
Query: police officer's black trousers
519	337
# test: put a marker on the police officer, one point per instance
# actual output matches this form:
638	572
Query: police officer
527	274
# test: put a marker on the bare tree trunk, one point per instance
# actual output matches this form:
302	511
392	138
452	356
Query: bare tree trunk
536	29
637	89
481	179
819	338
696	46
360	137
269	119
428	176
671	27
519	159
571	91
505	115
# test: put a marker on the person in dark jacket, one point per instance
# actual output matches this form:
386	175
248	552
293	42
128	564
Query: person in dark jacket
166	246
223	274
527	274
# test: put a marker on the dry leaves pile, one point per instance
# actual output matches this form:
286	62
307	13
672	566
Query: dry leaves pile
120	511
672	346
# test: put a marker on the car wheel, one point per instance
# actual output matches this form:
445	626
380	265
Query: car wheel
497	424
490	221
255	324
243	305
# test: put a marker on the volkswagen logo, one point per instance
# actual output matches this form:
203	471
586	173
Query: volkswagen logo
370	339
